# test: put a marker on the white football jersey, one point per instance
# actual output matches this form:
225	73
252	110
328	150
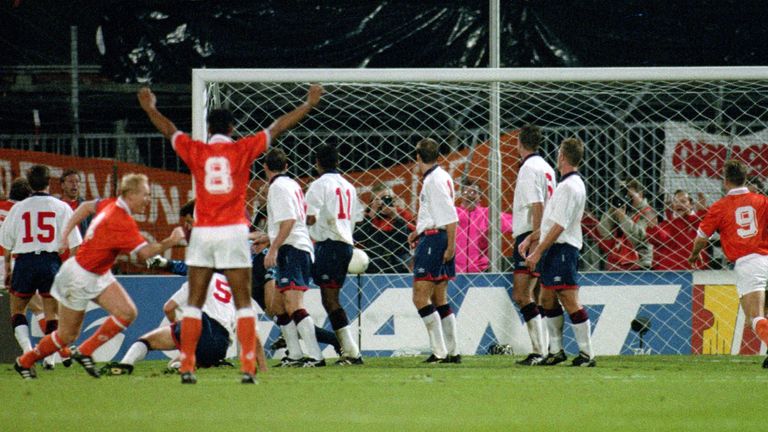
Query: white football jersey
285	201
535	184
566	208
219	304
36	225
436	201
332	200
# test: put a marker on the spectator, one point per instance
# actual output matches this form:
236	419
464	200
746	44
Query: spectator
384	232
623	229
473	228
673	238
70	194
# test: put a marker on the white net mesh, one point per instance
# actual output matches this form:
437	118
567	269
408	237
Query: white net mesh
664	135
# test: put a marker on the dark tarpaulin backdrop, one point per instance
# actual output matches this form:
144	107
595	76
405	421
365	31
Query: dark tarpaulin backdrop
161	41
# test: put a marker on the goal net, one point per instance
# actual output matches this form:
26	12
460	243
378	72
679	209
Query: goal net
648	133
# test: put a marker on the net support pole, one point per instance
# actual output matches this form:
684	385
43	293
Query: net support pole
494	156
75	94
198	105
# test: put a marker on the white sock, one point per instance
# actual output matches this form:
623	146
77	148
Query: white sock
555	332
137	352
22	337
291	336
450	333
435	332
536	332
583	337
306	328
348	345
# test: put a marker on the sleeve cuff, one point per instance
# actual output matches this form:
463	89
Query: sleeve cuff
137	248
173	138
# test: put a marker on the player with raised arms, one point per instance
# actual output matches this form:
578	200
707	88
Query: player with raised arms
88	277
741	218
331	208
221	168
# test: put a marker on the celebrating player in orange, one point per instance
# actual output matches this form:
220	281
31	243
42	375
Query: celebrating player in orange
221	169
739	217
87	276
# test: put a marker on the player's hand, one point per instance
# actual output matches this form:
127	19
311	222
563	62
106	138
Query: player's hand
64	246
147	99
523	247
701	201
271	259
450	252
413	239
619	214
157	262
533	259
313	95
692	260
177	235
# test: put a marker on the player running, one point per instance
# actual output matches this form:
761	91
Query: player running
220	168
434	263
740	218
87	276
331	208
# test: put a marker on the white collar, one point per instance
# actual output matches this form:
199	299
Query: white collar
123	205
219	138
738	190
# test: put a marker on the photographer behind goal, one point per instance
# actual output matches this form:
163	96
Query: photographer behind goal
624	225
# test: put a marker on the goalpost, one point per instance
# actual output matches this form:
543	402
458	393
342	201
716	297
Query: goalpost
668	128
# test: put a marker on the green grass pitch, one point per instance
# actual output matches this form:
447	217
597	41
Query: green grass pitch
629	393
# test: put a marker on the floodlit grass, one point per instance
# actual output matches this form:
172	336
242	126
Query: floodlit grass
643	393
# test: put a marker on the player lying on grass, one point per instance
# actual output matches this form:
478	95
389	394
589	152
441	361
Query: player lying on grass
218	319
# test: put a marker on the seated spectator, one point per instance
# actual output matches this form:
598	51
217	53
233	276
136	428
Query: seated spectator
623	229
673	238
383	233
473	228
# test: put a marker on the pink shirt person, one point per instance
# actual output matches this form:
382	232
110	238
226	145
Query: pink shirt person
473	229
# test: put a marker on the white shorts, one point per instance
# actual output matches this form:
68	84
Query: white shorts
751	273
224	247
75	286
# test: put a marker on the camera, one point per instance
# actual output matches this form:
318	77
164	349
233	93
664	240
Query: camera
620	198
387	200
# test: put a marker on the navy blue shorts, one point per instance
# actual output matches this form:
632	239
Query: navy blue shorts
260	276
34	273
293	269
560	267
519	261
428	262
212	345
331	263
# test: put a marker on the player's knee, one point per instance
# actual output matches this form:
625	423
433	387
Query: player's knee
128	314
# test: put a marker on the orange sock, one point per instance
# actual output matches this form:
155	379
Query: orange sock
191	328
47	346
112	326
761	328
246	335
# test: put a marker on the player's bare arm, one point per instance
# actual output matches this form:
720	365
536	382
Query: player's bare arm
535	256
150	250
311	220
169	309
7	265
285	230
148	102
84	210
698	245
291	119
450	250
529	243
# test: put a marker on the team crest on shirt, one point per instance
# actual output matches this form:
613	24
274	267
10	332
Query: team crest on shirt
284	280
558	278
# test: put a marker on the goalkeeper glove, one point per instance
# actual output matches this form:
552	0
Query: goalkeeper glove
156	262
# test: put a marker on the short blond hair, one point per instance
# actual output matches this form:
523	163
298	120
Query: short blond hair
131	183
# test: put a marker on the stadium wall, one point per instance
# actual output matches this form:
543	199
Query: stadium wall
687	312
